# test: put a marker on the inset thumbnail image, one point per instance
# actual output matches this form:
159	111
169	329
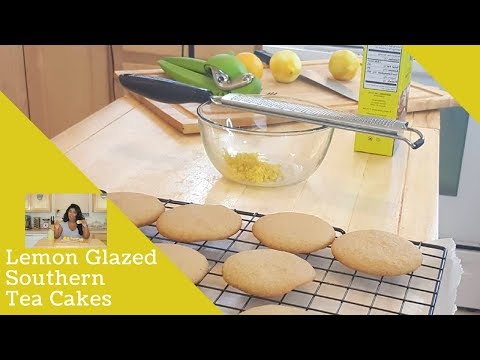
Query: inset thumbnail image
65	220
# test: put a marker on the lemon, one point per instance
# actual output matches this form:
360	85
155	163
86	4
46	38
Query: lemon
285	66
252	63
343	65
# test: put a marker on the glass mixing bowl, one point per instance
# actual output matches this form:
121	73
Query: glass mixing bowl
262	150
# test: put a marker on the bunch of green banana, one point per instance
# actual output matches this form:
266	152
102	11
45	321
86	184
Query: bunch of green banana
194	72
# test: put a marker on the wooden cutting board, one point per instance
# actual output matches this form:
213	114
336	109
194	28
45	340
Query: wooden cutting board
183	117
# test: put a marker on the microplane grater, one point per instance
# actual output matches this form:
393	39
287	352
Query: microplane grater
174	92
321	116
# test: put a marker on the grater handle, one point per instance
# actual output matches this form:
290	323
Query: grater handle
417	143
164	90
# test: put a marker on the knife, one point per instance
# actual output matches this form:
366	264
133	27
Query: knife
315	78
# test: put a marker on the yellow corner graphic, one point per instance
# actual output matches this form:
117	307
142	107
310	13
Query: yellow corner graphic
129	276
455	68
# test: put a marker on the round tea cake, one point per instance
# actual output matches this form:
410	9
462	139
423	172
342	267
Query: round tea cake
293	232
267	272
192	222
377	253
141	209
193	264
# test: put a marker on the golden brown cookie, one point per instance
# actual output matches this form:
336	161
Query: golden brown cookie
274	310
293	232
189	223
141	209
267	272
193	264
377	253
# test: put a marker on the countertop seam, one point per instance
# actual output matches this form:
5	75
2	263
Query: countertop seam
96	132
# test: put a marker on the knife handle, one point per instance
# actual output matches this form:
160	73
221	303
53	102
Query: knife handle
164	90
263	55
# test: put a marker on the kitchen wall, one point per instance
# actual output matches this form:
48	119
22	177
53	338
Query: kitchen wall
459	215
458	219
90	216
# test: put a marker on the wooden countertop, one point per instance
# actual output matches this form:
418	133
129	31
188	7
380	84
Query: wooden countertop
90	243
125	147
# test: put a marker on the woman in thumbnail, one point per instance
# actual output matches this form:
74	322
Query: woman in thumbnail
73	224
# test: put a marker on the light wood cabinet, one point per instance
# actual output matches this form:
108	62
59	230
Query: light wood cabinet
57	86
66	84
99	203
38	202
135	57
205	51
12	76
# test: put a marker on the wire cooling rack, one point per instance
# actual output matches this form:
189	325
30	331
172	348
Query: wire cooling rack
336	289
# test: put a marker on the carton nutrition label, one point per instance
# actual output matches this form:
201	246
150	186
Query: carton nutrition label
382	67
